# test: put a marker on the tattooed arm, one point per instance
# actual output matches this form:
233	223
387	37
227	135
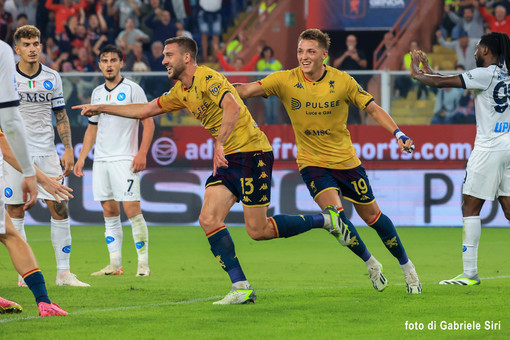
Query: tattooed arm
64	132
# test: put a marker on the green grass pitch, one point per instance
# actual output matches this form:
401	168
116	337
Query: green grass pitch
308	287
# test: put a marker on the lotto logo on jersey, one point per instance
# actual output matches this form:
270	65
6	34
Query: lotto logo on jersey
48	85
121	96
8	192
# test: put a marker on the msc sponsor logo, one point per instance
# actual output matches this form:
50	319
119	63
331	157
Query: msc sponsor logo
48	85
214	89
121	96
35	97
164	151
295	104
502	127
318	133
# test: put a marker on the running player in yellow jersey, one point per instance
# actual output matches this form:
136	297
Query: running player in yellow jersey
242	161
316	98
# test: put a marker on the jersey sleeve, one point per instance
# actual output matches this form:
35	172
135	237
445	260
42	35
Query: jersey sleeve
476	79
170	102
57	101
357	95
93	119
272	84
216	87
139	95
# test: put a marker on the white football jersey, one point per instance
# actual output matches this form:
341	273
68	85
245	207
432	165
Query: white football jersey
8	95
117	137
492	98
39	95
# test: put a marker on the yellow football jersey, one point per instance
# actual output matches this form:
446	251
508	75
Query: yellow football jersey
318	112
203	100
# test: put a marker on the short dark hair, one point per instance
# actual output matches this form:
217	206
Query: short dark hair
317	35
111	49
499	45
186	45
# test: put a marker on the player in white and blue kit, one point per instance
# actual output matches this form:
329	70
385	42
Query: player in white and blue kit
488	167
117	161
41	97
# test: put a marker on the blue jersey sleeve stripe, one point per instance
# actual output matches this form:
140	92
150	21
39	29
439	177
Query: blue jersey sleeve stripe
223	96
371	100
9	104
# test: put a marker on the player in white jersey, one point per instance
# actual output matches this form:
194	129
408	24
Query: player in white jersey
117	161
488	167
20	252
40	94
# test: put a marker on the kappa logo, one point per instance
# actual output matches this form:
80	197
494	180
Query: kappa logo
164	151
208	77
295	104
48	85
121	96
332	84
214	89
299	86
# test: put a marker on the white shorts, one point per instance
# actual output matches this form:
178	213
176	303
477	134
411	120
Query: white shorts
115	181
487	175
2	209
50	165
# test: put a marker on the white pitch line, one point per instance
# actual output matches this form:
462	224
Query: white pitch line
184	302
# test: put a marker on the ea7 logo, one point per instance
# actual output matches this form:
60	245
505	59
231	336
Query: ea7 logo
214	89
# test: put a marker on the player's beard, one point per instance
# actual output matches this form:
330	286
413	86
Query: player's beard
479	61
177	71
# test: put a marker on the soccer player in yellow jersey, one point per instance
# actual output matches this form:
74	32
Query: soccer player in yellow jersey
242	161
316	98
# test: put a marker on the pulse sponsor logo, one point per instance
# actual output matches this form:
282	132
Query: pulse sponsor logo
121	96
502	127
48	85
295	104
164	151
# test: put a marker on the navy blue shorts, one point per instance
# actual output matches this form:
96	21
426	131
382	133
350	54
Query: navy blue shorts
352	183
248	177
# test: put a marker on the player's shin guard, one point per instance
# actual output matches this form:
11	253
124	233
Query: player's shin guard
386	231
141	238
113	235
19	224
61	241
356	245
35	281
471	232
291	225
223	249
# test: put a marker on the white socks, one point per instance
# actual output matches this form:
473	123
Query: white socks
141	238
61	240
113	235
19	224
471	232
371	262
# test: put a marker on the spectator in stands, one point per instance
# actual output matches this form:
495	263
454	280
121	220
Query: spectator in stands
63	12
388	43
238	65
96	27
181	31
156	57
5	24
146	10
265	8
180	11
268	63
128	9
135	55
108	11
21	20
161	24
85	61
68	35
27	7
352	58
465	48
51	49
404	83
471	22
209	23
500	21
237	44
447	102
129	36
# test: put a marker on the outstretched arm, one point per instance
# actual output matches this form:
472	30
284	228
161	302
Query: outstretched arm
250	90
135	111
427	76
384	119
